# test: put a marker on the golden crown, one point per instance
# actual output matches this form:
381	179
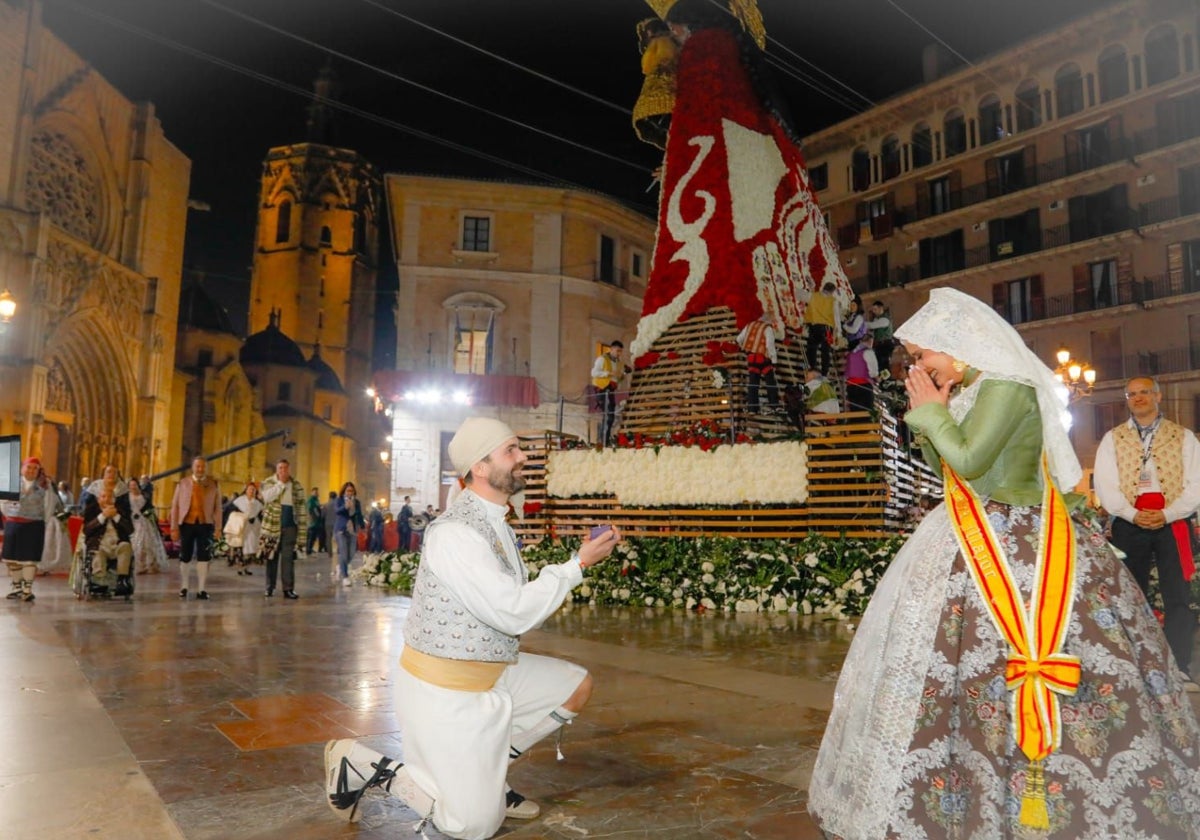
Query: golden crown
746	12
661	7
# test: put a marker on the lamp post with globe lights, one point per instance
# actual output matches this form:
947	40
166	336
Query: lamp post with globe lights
1078	377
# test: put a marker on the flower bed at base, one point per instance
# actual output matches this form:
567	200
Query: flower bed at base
834	577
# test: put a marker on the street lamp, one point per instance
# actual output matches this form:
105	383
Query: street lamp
8	308
385	456
1079	378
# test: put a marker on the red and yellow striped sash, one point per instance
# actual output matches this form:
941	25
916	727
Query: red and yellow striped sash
1037	670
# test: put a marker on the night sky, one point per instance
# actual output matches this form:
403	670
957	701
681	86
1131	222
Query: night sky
225	121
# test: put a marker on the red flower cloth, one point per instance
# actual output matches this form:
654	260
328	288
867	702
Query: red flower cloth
738	225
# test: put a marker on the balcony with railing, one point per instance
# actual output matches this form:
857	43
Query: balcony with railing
1125	292
1159	362
1020	178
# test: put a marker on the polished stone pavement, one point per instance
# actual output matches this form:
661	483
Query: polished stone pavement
166	719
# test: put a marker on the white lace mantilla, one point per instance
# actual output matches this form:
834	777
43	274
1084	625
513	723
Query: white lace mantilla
858	769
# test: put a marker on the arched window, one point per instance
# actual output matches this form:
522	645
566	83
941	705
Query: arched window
326	237
922	146
1113	69
954	129
283	222
1029	105
1162	54
889	154
1068	90
991	120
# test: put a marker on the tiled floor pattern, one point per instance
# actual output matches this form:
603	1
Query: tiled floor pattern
166	719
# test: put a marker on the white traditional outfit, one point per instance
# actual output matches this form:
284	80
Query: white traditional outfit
468	701
1008	678
26	522
247	542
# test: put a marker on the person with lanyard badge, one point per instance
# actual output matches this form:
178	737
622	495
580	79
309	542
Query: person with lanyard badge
1008	678
469	701
1148	478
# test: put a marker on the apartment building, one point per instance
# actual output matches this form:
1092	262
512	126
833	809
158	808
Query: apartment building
1058	180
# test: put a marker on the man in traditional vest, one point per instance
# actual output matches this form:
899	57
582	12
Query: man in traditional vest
469	703
607	372
195	513
1148	478
757	340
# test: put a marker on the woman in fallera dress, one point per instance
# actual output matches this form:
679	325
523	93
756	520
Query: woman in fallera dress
1008	678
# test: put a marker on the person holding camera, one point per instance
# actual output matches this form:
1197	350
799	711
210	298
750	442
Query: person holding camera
348	522
468	705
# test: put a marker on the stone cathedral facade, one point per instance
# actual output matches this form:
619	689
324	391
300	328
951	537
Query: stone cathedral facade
93	205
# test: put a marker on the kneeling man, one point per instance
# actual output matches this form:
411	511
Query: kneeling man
468	702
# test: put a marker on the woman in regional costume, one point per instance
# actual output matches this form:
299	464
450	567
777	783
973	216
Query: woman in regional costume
249	539
25	523
149	555
738	222
1008	678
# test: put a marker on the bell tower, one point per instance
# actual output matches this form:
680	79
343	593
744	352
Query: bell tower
316	253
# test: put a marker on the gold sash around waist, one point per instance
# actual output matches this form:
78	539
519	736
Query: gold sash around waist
455	674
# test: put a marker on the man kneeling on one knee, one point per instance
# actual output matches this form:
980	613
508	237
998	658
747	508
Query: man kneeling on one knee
469	704
107	535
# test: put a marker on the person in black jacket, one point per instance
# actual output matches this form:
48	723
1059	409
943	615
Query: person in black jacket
108	535
345	529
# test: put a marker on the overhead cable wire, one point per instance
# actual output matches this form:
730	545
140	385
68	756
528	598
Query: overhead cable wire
383	7
423	87
833	96
802	76
341	106
1020	103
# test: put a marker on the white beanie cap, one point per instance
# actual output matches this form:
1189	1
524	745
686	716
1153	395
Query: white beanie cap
475	439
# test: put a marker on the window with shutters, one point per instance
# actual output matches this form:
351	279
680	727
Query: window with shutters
942	195
1107	416
942	254
1189	190
1015	235
877	271
889	158
1162	55
1113	70
1107	353
1194	342
860	170
922	146
1009	173
818	177
1092	146
1185	257
991	120
1099	213
955	131
1068	90
1029	105
1019	301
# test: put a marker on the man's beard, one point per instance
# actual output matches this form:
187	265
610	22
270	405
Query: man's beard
507	483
